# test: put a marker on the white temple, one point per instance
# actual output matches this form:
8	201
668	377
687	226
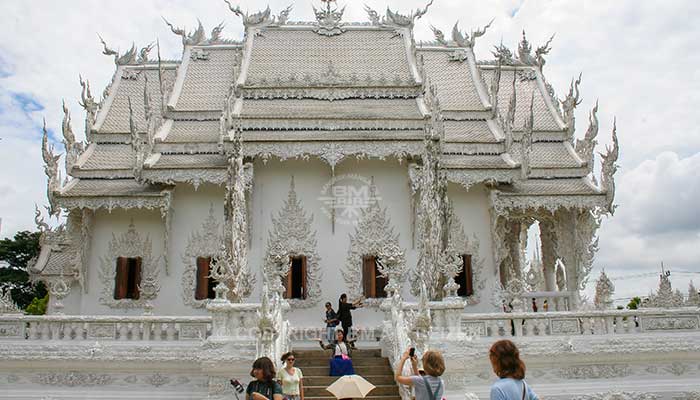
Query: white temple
221	199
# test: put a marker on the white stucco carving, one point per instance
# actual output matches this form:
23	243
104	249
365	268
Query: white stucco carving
291	236
130	244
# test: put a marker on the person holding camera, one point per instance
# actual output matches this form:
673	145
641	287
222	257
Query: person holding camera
291	378
264	387
429	386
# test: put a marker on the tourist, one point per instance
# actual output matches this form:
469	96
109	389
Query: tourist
510	369
345	314
545	306
264	387
291	378
534	304
340	362
331	321
428	386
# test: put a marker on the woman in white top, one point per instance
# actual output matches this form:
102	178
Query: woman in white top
340	363
291	378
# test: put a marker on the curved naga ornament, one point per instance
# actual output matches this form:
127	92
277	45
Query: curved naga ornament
608	169
291	236
73	148
130	244
374	235
51	170
202	243
585	146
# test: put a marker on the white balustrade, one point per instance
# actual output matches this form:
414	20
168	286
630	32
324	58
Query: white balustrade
555	301
103	328
568	323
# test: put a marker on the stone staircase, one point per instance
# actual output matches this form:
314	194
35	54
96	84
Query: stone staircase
368	363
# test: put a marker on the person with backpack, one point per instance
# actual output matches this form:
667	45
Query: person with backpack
429	386
510	369
264	387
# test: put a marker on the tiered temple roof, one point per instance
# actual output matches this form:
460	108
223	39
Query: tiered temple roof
332	90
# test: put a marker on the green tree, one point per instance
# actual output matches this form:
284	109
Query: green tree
634	303
16	252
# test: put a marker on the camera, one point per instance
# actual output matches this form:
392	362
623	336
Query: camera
237	386
412	352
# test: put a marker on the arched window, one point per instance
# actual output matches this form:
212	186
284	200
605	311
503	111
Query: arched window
127	278
372	282
204	289
296	282
465	278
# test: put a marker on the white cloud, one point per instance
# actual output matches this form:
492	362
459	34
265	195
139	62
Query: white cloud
638	58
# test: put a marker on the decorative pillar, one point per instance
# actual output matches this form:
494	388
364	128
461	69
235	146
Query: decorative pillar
548	245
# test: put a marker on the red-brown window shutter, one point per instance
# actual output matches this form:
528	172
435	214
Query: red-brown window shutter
468	270
201	291
288	281
121	278
465	277
369	284
303	277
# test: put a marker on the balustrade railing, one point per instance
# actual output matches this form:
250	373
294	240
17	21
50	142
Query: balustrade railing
607	322
546	301
104	328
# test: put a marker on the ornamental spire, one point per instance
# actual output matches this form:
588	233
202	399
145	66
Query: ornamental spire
329	20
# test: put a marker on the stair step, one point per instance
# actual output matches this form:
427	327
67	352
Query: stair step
366	398
359	370
325	381
322	361
306	353
320	391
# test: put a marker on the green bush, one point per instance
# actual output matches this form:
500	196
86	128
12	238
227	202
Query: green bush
38	306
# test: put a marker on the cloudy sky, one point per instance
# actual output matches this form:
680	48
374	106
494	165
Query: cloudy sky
639	59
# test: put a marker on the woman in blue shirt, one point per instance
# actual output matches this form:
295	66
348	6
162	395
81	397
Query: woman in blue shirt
506	363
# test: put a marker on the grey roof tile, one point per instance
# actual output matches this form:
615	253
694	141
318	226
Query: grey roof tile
455	85
110	157
337	109
117	119
111	187
193	132
548	155
468	132
167	161
543	118
544	187
207	82
280	53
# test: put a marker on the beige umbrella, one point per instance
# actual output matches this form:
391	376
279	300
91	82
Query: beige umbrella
350	387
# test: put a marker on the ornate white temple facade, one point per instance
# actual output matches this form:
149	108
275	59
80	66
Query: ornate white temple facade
221	199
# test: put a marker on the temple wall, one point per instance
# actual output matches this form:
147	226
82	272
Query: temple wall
472	208
147	223
271	185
